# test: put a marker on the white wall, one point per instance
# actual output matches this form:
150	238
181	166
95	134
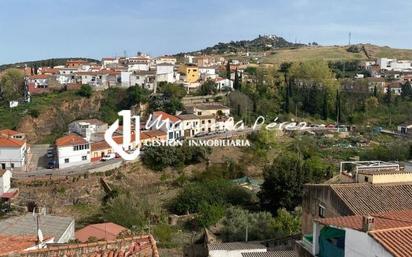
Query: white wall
5	184
360	244
235	253
75	157
13	155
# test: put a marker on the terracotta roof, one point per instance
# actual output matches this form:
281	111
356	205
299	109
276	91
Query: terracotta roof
71	139
11	142
364	198
15	244
104	145
136	246
165	116
393	230
383	220
397	241
103	231
8	132
39	76
153	133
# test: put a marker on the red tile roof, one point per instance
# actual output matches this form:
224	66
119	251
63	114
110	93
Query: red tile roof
396	241
103	231
393	230
11	142
165	116
383	220
71	139
8	132
144	246
15	244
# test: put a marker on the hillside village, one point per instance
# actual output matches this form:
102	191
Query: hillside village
327	172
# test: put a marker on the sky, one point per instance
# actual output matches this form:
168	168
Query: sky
39	29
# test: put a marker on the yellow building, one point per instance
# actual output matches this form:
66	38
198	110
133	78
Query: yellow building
191	72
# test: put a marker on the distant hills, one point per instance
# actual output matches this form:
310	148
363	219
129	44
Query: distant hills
46	62
261	43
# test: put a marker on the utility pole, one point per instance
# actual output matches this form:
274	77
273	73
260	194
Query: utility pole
350	37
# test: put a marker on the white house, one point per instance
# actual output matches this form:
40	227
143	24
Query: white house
209	109
224	84
385	234
169	124
72	150
145	79
207	73
395	65
165	72
13	152
91	129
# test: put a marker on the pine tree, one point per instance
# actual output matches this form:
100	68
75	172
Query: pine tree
325	105
375	92
236	83
338	107
228	69
406	90
388	95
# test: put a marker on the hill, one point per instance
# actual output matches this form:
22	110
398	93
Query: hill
47	62
261	43
334	53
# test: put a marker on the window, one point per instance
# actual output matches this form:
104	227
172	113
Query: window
209	121
366	179
203	122
322	211
12	165
199	113
84	158
66	160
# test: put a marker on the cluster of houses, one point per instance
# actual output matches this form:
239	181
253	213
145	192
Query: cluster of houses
41	234
387	74
141	70
85	141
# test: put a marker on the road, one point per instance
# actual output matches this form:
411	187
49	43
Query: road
77	170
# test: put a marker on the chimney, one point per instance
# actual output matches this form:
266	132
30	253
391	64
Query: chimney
368	223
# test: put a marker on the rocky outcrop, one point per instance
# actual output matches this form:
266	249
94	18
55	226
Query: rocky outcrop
55	119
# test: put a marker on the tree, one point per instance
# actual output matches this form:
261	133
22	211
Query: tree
282	184
406	90
325	112
128	210
371	103
228	71
209	214
236	83
208	88
388	95
338	107
11	85
85	91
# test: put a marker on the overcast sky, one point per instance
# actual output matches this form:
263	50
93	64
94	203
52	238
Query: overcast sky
38	29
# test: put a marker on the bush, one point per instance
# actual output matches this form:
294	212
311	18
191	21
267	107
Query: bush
34	113
85	91
213	192
209	214
160	157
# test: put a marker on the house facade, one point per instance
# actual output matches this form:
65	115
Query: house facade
13	153
72	150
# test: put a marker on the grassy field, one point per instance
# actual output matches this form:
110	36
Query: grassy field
332	53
